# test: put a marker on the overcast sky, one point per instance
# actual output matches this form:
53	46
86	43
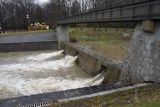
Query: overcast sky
41	1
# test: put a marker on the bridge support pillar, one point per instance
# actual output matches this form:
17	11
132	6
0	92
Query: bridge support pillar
143	59
62	35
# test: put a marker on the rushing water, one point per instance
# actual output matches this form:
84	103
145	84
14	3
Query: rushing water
28	73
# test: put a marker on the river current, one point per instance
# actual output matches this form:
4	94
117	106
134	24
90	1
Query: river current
28	73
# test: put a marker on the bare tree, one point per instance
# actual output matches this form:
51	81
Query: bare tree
18	14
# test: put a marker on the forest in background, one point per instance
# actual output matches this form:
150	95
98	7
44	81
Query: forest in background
18	14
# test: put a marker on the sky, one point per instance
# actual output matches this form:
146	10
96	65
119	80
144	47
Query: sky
41	1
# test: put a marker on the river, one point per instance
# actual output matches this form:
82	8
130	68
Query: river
28	73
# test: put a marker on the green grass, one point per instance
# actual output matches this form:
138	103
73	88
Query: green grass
151	103
150	100
24	33
99	34
147	96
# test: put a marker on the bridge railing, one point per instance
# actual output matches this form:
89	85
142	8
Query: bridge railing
121	10
109	5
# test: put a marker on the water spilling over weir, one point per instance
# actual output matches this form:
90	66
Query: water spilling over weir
28	73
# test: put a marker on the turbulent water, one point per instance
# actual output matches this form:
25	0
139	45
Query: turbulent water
28	73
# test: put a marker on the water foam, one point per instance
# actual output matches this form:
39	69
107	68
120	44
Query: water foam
72	60
13	82
37	86
17	85
43	56
38	66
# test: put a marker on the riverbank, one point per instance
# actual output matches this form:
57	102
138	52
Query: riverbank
15	33
147	96
110	42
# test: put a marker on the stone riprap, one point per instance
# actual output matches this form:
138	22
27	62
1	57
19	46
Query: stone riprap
143	59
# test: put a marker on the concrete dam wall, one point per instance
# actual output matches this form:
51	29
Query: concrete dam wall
144	49
88	60
30	42
50	36
93	63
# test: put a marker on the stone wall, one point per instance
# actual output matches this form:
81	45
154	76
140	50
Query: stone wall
143	60
94	63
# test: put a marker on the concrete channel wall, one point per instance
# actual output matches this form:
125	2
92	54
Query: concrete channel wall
30	42
28	46
94	63
50	36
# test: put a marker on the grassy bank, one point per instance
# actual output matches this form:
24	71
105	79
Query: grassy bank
100	34
147	96
24	32
110	42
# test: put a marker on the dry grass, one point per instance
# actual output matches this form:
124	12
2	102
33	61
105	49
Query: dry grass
110	43
24	33
112	50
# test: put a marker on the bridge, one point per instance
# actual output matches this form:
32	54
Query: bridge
121	10
142	61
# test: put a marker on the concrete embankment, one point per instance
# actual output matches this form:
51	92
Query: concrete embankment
39	37
94	63
29	42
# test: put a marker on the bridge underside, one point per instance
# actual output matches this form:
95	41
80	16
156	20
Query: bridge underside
137	11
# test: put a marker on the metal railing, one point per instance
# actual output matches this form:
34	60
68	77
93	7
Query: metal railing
110	5
119	11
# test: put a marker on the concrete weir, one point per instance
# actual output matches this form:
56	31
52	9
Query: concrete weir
94	63
88	60
141	64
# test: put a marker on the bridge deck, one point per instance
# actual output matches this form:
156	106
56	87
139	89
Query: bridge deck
135	10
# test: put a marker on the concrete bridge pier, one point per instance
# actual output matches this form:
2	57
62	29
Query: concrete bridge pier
143	59
62	35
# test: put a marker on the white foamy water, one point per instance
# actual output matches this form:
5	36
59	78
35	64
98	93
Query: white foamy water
38	66
40	72
43	56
